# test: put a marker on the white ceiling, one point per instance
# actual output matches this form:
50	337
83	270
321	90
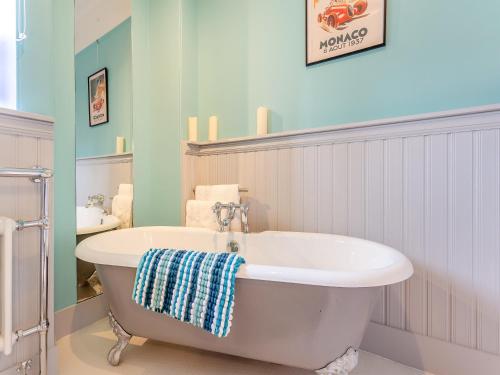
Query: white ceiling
95	18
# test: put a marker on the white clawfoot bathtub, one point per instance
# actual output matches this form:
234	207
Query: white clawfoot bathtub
302	300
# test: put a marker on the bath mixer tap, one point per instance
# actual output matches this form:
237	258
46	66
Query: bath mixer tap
96	200
231	212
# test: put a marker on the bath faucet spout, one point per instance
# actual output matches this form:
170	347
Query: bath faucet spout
96	200
225	223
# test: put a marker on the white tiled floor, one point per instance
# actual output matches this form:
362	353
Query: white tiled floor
84	353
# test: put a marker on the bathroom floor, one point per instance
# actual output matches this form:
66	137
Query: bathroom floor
84	352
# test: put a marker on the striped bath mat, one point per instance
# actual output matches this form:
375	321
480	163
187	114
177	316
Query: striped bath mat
190	286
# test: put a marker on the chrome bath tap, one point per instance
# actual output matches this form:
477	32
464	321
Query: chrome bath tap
225	223
95	201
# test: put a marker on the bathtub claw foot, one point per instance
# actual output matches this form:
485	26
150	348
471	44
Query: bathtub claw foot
342	365
123	337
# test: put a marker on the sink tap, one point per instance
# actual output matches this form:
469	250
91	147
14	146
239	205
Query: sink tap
225	223
96	200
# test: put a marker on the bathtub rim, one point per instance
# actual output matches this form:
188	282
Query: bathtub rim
400	270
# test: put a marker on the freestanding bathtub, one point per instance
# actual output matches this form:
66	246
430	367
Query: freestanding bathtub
302	300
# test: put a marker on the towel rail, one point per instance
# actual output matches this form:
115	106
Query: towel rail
25	172
7	227
241	190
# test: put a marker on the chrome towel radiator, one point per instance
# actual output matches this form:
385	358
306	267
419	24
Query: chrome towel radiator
8	338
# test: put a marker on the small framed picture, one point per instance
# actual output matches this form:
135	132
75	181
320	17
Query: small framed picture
338	28
98	98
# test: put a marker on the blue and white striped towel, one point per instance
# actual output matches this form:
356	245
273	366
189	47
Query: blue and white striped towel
190	286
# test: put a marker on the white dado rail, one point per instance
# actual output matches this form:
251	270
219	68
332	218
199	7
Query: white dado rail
428	185
26	140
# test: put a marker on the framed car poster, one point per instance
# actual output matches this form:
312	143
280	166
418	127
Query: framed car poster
336	28
98	98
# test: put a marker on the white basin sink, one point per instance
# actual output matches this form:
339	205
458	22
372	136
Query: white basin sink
94	220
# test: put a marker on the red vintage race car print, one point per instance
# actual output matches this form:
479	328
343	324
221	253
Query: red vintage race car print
97	105
340	12
341	27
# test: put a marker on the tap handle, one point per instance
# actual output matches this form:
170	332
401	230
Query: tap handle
244	218
217	209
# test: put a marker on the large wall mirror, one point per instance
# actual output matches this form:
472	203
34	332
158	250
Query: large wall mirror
104	139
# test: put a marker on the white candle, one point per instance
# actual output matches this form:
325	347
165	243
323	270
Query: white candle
193	129
262	118
213	124
120	145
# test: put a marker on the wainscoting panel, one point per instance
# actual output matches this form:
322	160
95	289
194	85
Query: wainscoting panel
427	185
102	175
25	142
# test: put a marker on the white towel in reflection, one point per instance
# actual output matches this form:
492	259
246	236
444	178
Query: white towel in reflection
199	214
218	193
126	189
122	209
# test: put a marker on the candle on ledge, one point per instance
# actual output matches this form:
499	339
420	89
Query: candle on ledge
262	119
213	124
193	129
120	145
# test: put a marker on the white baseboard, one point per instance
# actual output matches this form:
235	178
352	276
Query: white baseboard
428	354
82	314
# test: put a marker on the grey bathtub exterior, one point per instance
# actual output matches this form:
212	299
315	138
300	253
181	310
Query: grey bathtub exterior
295	325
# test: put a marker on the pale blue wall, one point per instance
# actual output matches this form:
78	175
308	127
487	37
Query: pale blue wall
251	53
156	76
34	82
64	112
113	52
189	65
46	86
228	57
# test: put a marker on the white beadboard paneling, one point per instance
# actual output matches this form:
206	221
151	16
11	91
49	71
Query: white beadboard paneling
247	178
310	183
27	271
436	241
414	196
202	175
223	171
297	189
266	188
374	216
427	185
393	224
213	170
487	256
25	142
340	211
8	207
356	189
232	169
284	189
463	311
325	189
102	175
374	207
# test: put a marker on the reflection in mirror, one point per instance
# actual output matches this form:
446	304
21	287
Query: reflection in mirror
103	84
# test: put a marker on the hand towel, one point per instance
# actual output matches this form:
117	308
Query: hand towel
126	189
190	286
199	214
121	207
218	193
